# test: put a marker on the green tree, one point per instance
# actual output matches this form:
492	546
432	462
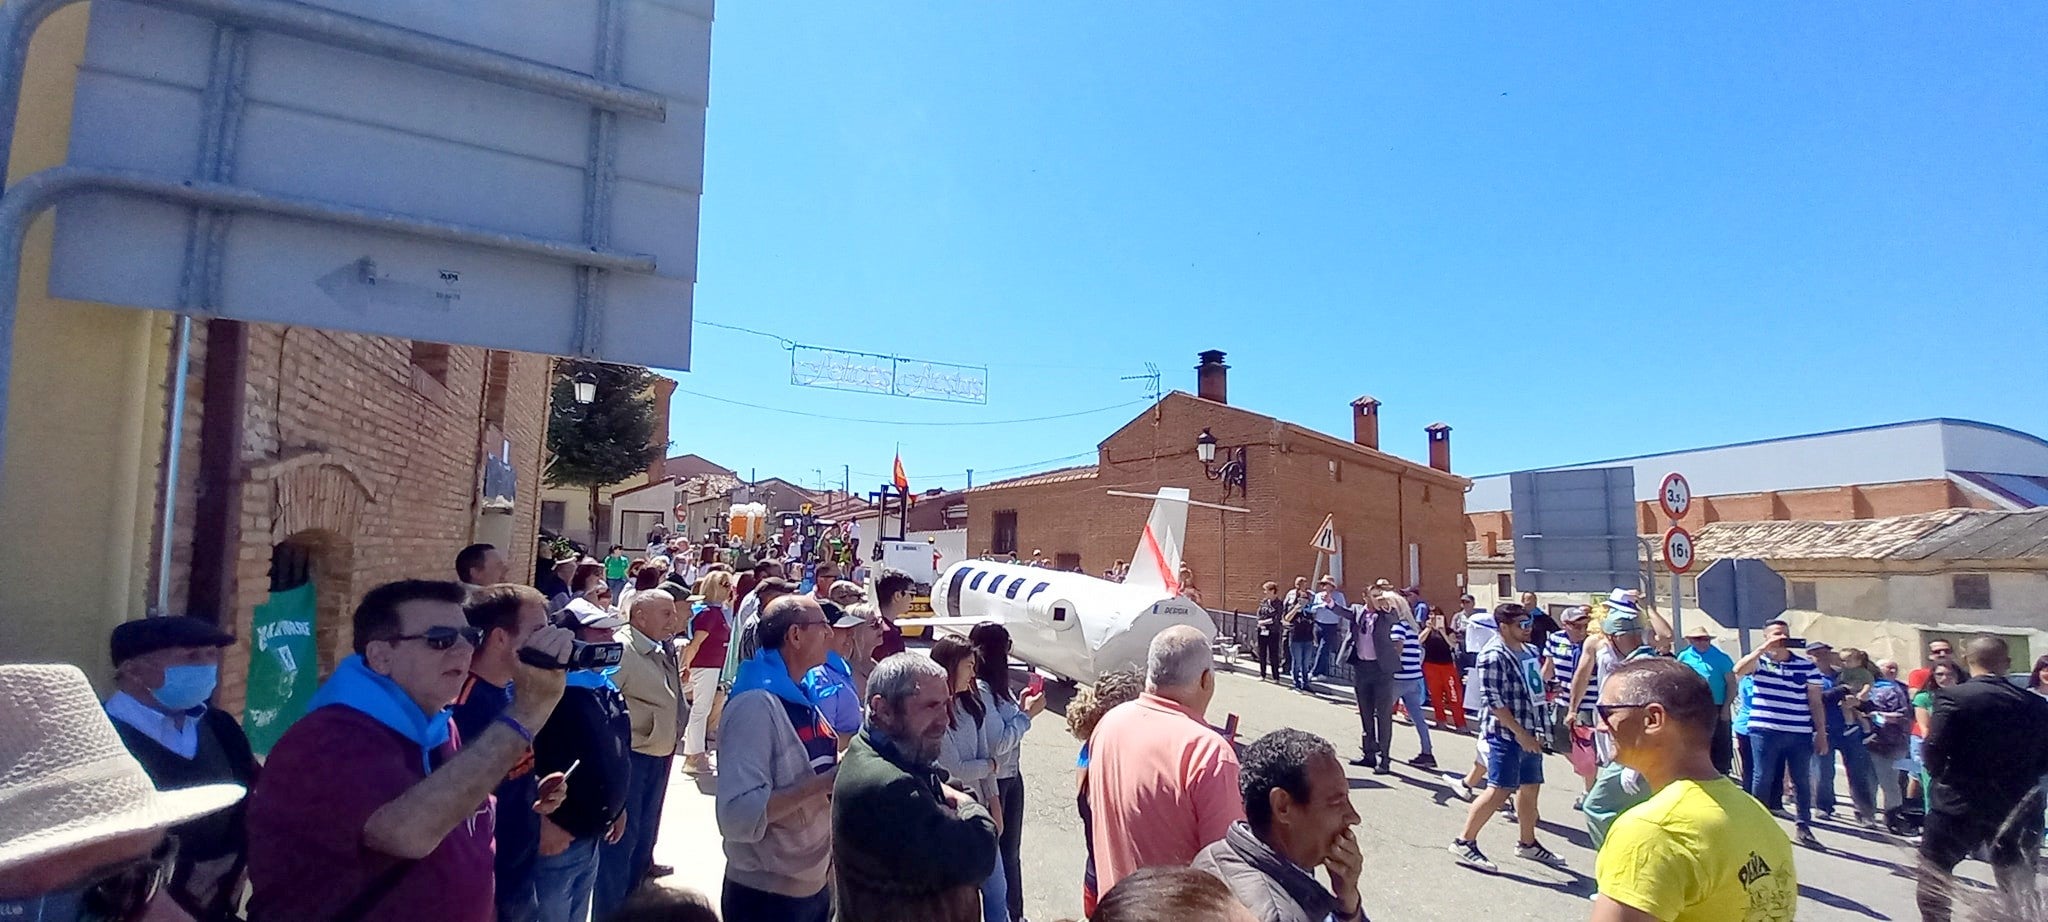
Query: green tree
606	441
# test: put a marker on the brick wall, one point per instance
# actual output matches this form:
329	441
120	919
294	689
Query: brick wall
371	462
1381	503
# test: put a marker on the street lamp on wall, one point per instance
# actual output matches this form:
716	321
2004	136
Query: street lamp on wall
1231	471
586	387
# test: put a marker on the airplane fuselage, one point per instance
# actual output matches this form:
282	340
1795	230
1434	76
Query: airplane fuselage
1069	624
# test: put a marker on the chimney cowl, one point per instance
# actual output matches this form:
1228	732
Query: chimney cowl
1439	446
1365	422
1212	376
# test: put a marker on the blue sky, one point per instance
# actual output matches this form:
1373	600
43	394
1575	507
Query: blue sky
1571	232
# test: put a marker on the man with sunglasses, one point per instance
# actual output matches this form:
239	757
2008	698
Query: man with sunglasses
369	807
1700	848
83	831
1509	689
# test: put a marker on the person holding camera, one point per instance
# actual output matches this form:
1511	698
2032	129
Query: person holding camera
592	733
368	807
507	615
1787	724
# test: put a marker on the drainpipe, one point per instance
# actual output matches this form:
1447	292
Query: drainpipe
216	519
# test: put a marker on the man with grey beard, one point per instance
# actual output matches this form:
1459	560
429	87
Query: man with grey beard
905	843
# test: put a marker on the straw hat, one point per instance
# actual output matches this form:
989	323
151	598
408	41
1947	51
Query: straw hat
66	780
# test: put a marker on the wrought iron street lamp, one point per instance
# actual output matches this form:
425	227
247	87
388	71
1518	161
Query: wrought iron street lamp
586	387
1231	471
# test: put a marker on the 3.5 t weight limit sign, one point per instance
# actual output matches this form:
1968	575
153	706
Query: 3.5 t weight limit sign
1675	495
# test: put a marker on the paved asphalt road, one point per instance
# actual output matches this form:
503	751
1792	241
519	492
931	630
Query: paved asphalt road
1409	819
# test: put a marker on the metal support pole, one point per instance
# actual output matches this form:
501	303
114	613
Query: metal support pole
600	183
220	119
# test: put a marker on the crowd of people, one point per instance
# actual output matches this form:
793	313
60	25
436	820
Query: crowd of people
494	750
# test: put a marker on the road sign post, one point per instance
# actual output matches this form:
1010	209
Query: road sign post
1742	593
1674	495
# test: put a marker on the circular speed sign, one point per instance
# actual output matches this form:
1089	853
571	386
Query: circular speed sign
1678	549
1675	495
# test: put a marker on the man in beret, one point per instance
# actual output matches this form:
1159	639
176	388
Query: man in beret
165	671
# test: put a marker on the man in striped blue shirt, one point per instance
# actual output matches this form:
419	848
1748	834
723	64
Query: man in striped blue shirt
1408	686
1787	724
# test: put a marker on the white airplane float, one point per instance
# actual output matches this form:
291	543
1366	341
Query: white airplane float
1072	625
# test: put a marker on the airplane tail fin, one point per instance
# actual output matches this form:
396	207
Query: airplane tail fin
1156	562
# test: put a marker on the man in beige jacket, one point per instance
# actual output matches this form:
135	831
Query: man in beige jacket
652	683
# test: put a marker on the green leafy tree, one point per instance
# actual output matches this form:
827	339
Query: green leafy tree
606	441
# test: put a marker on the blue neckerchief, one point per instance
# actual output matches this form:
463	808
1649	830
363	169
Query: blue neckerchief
355	686
593	678
768	672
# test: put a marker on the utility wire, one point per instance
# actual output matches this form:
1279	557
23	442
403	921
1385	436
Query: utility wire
787	343
988	470
908	422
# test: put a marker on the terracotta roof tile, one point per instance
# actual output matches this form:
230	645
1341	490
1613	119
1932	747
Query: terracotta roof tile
1056	475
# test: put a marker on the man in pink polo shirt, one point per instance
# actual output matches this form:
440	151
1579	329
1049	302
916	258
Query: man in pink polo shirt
1161	784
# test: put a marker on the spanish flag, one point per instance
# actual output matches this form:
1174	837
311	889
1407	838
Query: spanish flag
902	482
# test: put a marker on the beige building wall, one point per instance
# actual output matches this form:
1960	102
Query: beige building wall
84	422
1890	615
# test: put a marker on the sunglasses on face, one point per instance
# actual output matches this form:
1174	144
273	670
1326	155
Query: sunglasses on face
1607	711
121	894
442	638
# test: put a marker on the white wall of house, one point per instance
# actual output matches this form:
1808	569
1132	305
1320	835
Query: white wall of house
634	513
1890	615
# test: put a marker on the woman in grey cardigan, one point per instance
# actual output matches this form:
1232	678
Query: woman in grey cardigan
968	754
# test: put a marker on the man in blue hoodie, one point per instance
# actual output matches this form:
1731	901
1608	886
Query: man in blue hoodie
369	808
776	763
832	686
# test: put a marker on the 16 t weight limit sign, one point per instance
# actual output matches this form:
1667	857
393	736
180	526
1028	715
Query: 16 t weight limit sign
1678	549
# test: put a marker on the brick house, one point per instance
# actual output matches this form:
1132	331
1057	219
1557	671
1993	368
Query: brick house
370	470
1395	518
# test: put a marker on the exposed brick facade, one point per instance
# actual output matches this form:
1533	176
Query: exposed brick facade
369	461
1382	504
1825	504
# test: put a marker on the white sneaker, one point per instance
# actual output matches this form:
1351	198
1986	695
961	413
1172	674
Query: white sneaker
1458	788
1469	855
1535	851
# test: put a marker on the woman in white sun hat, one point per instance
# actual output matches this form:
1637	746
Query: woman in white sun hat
83	832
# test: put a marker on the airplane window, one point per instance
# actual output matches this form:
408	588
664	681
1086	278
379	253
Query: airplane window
995	584
953	591
976	582
1041	587
1013	588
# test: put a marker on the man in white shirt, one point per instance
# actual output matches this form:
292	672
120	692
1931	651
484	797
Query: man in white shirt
1331	610
165	670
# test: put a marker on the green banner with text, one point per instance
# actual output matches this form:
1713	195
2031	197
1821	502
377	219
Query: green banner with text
283	665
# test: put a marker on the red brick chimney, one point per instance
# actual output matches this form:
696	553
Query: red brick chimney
1492	544
1365	422
1439	446
1212	377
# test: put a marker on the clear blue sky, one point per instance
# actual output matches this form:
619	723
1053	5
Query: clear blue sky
1570	232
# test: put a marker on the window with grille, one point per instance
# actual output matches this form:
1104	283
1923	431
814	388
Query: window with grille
431	358
1004	541
1970	590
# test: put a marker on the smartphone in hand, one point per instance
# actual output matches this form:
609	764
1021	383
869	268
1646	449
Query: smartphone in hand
1034	685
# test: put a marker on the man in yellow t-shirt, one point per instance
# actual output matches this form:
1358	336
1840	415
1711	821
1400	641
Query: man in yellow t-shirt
1700	848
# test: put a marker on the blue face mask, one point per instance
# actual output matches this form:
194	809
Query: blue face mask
187	687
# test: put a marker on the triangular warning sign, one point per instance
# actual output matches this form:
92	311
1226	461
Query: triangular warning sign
1326	536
